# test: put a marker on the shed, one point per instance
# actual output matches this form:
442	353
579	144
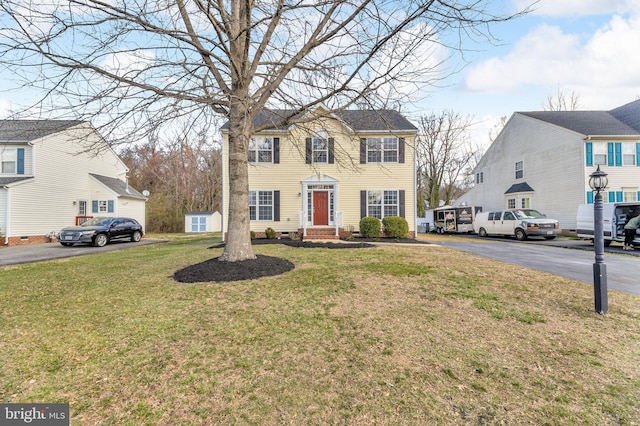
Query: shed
203	221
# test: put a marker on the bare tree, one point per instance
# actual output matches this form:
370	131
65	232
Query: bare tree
181	176
444	152
135	65
562	101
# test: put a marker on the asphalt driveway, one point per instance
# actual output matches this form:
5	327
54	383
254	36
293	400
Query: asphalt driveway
14	255
564	257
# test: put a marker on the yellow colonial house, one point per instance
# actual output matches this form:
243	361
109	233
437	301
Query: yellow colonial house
318	178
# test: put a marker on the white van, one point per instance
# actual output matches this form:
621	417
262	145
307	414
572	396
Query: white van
614	217
519	223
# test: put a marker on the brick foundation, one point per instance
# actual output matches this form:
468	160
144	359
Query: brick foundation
31	239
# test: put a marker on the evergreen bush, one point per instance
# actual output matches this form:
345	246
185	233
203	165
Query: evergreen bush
270	233
395	227
370	227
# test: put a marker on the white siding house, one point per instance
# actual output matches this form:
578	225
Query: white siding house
203	221
543	160
54	174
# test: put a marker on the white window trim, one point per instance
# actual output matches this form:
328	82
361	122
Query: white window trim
257	205
382	150
254	147
382	202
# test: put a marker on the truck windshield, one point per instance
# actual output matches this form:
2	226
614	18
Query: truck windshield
528	214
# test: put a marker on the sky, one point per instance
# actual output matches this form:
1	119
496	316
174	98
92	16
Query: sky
584	47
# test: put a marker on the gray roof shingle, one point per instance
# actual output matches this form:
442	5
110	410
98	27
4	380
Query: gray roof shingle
621	121
28	130
358	120
519	187
13	179
118	186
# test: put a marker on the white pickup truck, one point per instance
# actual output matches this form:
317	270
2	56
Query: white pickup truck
519	223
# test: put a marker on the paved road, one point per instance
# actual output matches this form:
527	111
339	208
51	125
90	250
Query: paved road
568	258
38	252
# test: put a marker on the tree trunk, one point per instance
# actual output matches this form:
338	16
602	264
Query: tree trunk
238	241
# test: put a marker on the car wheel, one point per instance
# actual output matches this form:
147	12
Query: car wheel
135	237
482	232
520	235
67	244
100	240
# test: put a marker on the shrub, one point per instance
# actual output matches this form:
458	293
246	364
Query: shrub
395	227
270	233
346	233
370	227
253	235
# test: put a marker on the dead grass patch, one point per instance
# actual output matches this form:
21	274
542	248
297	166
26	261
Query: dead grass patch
387	335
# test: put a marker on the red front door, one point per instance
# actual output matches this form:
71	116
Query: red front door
320	208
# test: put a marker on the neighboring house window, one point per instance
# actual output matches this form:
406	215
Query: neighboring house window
630	194
511	203
628	154
198	224
480	177
102	206
519	170
12	161
382	203
526	203
264	205
261	150
9	158
600	151
82	208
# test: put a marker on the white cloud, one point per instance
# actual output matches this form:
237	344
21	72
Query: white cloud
549	57
5	108
573	8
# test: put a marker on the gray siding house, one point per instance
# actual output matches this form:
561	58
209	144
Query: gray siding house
543	159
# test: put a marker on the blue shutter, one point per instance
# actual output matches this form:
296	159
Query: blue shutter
638	157
619	196
589	197
618	154
610	154
638	196
20	169
589	154
94	206
110	206
612	197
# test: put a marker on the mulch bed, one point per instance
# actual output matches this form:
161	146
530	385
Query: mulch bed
265	266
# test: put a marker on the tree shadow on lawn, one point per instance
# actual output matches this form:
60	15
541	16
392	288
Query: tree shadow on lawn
261	266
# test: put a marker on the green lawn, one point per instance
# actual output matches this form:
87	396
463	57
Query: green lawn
391	335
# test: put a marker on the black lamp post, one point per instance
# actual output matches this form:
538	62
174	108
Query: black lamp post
598	181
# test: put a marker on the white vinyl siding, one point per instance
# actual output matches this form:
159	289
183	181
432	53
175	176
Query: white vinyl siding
61	165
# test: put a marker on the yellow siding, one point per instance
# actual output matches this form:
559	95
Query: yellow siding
352	177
